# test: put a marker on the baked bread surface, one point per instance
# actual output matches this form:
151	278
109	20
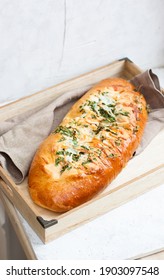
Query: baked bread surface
90	147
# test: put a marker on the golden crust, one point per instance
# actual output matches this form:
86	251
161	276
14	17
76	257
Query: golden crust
91	146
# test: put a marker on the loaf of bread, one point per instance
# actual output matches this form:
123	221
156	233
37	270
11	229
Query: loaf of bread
90	147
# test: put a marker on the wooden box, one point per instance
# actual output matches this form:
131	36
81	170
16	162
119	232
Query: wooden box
141	174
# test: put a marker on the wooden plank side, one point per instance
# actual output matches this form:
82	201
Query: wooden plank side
157	254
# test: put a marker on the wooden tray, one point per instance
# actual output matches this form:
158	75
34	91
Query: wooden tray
141	174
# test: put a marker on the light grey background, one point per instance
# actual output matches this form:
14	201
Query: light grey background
44	42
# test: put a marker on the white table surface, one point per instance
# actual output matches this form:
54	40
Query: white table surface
134	228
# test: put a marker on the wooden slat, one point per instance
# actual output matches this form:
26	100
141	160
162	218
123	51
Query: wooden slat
157	254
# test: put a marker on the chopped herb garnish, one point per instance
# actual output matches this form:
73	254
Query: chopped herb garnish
60	152
104	92
111	131
64	130
125	113
84	147
111	105
75	141
106	115
99	152
99	128
87	161
58	160
102	138
111	155
82	111
62	139
67	166
92	105
75	157
68	153
68	131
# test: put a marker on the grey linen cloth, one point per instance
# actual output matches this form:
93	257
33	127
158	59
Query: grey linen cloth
21	135
148	84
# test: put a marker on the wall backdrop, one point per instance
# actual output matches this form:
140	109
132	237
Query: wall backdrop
44	42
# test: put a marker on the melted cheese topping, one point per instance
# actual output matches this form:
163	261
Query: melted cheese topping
104	121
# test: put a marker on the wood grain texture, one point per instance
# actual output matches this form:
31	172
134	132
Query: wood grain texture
157	254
